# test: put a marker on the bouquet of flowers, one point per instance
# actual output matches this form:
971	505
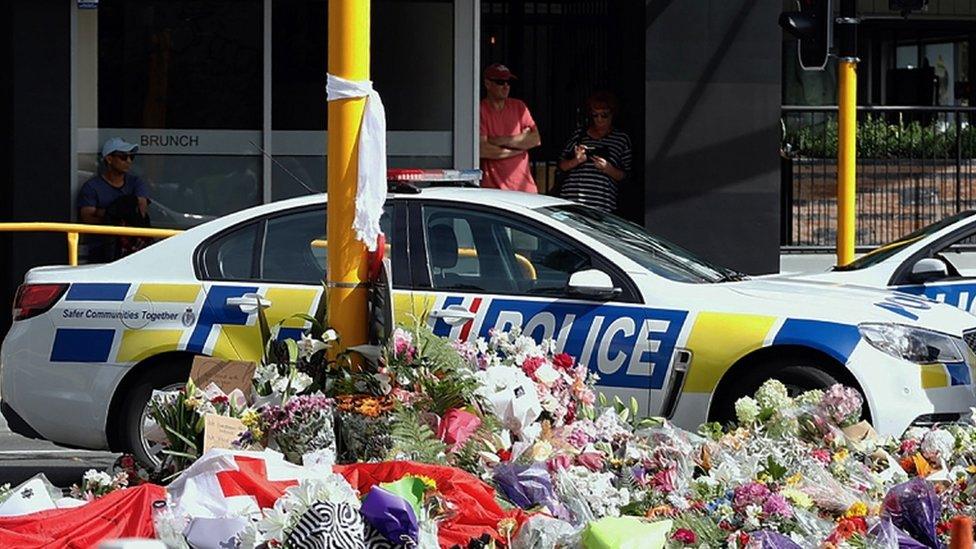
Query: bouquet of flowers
95	484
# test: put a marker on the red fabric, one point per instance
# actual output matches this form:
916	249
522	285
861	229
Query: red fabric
252	480
510	174
477	511
123	514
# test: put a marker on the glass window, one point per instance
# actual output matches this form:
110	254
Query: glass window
295	246
231	256
486	252
654	254
180	64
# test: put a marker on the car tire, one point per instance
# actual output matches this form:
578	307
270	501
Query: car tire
167	374
797	375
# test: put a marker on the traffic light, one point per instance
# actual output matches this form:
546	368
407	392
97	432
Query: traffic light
813	28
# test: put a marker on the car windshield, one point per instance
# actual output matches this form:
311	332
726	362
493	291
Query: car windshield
655	254
882	253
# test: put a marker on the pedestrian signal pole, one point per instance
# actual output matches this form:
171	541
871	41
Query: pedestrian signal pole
846	130
346	266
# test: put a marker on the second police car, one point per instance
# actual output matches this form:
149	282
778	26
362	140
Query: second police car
684	337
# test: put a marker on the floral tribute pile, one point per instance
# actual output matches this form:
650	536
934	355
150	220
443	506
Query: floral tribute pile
505	442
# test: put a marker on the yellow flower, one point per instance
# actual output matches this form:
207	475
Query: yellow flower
857	509
250	418
797	497
429	483
840	455
764	478
506	527
794	479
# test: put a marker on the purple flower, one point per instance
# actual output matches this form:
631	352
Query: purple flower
752	493
776	505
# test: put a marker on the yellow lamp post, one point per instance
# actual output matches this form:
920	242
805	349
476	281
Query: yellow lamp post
346	266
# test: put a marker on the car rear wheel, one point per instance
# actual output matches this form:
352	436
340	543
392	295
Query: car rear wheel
135	419
797	375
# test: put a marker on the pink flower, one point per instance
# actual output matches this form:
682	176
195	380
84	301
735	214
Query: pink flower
752	493
908	447
457	426
663	480
685	536
531	364
821	455
591	460
559	463
403	345
776	505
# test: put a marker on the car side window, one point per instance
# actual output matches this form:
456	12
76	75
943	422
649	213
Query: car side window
296	248
487	252
231	256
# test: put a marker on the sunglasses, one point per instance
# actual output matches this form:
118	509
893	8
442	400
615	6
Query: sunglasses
600	114
124	156
500	82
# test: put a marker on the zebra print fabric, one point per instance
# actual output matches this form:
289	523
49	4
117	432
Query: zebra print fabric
337	526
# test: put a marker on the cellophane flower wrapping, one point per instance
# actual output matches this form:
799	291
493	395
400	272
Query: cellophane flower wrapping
914	507
302	425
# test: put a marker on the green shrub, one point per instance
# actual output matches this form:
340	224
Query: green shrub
878	137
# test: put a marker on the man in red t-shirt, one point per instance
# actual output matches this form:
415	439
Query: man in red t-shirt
507	133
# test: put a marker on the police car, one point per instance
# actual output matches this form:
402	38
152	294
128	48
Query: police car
936	262
686	338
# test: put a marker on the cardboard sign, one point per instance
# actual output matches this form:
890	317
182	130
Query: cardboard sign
220	431
860	431
226	374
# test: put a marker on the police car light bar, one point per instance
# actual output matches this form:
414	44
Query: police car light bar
467	178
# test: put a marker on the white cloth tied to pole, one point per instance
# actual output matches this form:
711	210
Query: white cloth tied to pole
371	189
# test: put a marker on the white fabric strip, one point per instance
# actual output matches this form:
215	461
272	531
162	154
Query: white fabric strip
371	190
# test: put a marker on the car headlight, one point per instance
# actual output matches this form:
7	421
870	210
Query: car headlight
916	345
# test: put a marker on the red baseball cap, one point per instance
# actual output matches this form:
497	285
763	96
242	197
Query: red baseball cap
497	71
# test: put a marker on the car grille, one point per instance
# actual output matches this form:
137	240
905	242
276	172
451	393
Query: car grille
970	339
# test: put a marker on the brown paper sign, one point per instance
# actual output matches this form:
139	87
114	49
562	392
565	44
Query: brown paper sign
220	431
860	431
227	374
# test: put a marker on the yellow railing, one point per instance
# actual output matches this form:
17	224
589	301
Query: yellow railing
72	230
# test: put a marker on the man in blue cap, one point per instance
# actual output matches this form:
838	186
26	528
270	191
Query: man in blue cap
102	194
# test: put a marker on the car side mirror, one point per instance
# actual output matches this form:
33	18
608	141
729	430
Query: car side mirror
928	269
592	283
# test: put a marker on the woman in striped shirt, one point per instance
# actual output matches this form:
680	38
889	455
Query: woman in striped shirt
596	158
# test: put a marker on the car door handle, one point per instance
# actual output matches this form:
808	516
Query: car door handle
248	303
453	315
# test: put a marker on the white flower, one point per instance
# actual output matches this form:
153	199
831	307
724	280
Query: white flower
275	523
746	410
330	335
97	478
308	346
938	444
753	513
773	395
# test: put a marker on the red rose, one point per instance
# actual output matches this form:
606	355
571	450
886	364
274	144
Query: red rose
685	536
743	539
504	455
563	361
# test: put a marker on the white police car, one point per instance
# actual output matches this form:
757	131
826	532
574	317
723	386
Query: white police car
686	338
937	261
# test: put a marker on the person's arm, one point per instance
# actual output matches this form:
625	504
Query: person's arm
606	167
141	196
91	215
579	157
528	139
490	151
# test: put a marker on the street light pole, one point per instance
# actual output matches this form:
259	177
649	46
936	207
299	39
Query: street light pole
846	130
346	265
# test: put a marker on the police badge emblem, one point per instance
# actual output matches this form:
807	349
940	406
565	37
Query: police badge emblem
188	317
